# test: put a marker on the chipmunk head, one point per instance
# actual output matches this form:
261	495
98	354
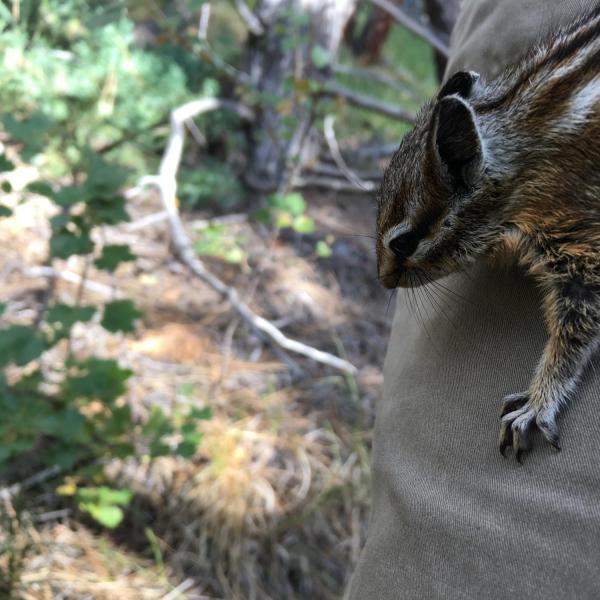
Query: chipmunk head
431	219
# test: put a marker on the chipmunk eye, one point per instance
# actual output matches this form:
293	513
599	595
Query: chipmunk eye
447	222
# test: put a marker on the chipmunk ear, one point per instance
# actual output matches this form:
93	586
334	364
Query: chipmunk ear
457	139
461	83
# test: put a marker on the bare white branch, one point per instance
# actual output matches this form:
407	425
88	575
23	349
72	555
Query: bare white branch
334	148
252	21
203	21
167	185
74	278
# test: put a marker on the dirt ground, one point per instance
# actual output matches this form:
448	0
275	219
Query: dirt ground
275	502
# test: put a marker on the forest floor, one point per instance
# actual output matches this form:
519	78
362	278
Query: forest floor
275	502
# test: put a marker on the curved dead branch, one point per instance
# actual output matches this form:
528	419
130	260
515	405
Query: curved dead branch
166	181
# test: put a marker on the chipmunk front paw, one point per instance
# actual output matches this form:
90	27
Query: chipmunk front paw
520	416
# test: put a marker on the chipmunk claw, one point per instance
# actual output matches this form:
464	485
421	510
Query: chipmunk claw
519	418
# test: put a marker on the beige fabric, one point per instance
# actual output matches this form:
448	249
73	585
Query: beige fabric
451	518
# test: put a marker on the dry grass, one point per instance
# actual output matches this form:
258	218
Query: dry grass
274	504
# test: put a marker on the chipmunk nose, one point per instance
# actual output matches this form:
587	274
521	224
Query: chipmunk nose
405	244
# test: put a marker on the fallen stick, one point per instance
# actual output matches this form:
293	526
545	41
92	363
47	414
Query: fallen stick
70	277
166	181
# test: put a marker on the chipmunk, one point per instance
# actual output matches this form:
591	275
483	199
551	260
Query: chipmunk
514	163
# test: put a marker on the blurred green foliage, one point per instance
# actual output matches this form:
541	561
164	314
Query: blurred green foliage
73	77
80	102
286	210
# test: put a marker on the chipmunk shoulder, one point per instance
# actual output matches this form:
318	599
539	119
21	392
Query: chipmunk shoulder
510	164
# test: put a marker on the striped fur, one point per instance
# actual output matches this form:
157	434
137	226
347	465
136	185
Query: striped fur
511	165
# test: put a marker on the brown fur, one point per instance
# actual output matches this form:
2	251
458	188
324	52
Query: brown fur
511	166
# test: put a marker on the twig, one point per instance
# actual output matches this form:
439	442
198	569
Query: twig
363	101
143	222
374	152
383	78
417	28
251	20
82	280
52	515
337	155
167	184
196	133
70	277
44	475
325	168
331	183
184	586
203	21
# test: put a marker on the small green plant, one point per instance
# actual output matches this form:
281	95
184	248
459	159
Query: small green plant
103	504
215	240
323	249
286	210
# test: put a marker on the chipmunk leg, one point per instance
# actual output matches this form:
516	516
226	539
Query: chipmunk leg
573	316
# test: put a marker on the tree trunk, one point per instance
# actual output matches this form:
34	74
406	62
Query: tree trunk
298	37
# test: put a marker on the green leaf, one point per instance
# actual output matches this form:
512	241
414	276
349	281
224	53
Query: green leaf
65	243
5	211
66	196
157	424
41	188
5	164
60	221
63	316
104	179
303	224
30	131
69	195
112	256
120	315
186	449
65	456
107	211
263	216
105	495
321	57
107	515
322	249
102	379
158	448
20	344
292	203
6	187
201	413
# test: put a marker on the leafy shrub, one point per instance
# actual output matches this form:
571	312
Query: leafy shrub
73	84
